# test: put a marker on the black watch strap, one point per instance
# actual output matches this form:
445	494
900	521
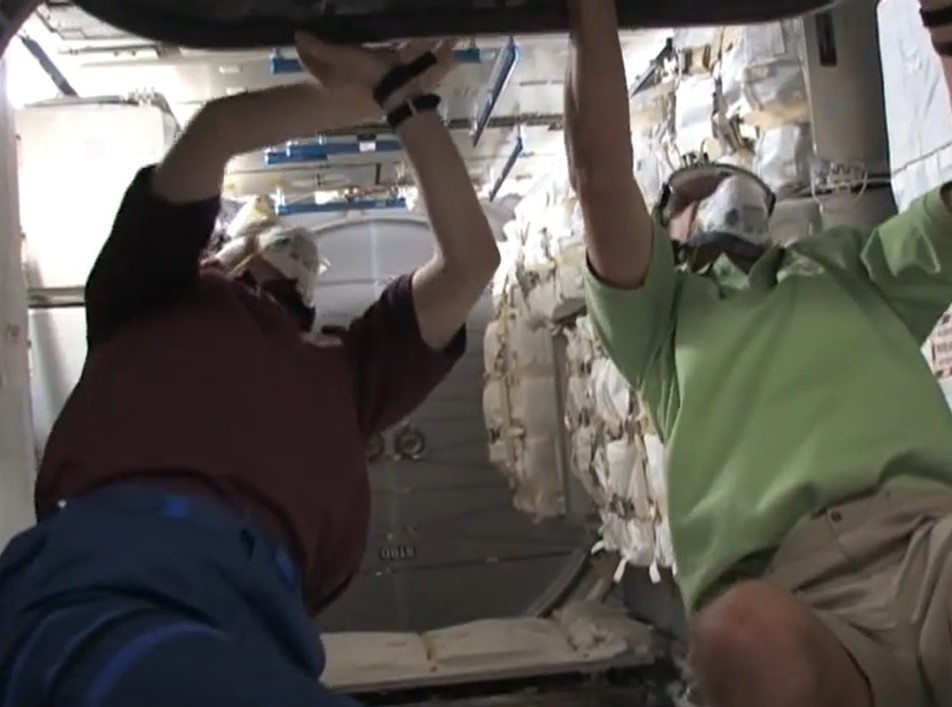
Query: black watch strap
939	17
420	104
400	76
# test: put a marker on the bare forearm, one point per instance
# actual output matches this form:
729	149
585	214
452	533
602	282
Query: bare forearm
194	168
462	232
600	132
446	288
618	227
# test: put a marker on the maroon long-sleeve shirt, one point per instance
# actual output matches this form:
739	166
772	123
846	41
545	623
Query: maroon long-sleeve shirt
200	383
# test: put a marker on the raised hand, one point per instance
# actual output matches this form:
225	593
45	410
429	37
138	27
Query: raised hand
354	72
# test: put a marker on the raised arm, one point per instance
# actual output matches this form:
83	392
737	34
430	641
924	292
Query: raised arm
631	283
151	258
598	141
410	339
407	342
447	287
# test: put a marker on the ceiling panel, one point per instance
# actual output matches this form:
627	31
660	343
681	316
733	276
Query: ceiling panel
74	25
527	107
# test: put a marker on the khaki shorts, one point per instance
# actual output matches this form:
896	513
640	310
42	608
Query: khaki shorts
878	573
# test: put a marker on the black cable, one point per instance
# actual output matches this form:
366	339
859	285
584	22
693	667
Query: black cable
56	76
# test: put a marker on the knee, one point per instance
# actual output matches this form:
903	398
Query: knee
740	622
752	646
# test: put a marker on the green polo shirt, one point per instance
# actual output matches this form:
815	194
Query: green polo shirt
789	389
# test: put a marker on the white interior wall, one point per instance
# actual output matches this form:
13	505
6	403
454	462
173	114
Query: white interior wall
919	121
76	162
918	111
17	463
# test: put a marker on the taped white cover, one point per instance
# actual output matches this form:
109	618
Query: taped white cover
783	157
763	77
653	107
656	157
694	127
549	268
656	475
519	406
618	464
544	274
613	397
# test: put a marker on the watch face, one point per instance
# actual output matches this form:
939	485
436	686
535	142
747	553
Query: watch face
225	24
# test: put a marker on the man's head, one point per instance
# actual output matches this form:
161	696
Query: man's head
718	208
284	262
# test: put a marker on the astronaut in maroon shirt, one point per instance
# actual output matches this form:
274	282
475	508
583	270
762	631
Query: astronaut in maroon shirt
204	489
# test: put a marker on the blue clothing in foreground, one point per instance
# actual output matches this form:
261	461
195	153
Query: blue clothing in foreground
135	596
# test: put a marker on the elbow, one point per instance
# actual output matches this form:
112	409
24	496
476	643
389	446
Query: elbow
489	258
210	118
471	250
475	268
484	265
490	261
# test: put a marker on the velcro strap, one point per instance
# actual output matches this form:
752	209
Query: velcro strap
400	76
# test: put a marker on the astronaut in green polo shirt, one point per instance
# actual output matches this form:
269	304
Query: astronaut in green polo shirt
809	446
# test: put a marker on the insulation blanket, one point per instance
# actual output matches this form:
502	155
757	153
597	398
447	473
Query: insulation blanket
538	288
694	125
519	404
543	276
783	158
763	78
654	147
548	271
652	169
615	453
653	107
